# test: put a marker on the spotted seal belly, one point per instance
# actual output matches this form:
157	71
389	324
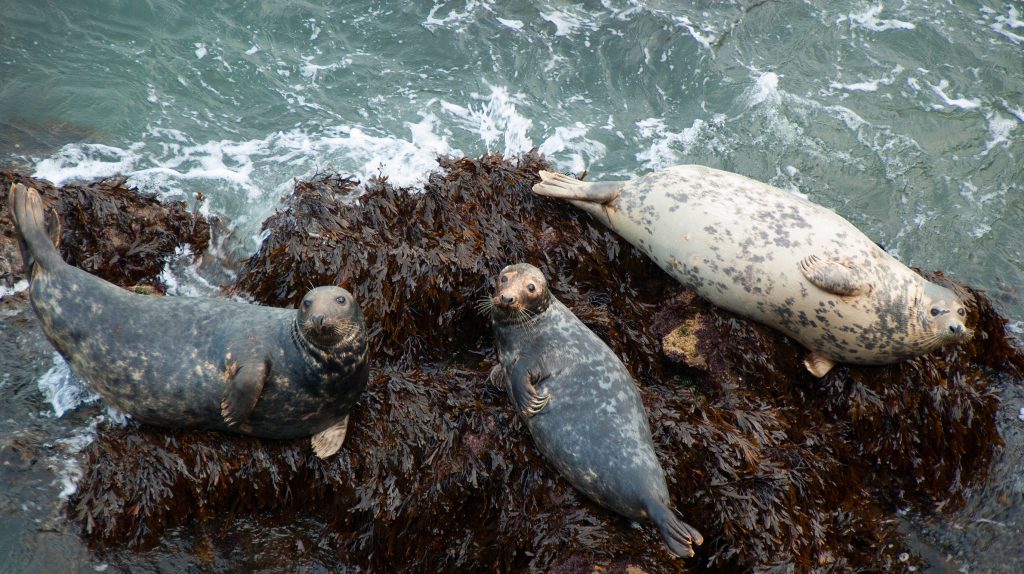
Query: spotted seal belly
580	404
769	255
199	363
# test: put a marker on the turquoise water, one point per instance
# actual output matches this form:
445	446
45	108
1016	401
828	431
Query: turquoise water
907	118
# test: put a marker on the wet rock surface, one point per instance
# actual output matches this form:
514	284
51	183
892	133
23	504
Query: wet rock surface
778	469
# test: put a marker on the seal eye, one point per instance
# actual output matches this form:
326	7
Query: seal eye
531	287
935	311
504	278
306	303
340	299
961	311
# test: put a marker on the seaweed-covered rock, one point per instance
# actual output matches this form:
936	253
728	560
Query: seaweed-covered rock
107	229
779	470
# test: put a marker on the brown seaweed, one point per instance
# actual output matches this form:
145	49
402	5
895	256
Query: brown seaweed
109	229
779	470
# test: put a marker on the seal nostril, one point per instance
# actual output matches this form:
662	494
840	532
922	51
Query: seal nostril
507	300
318	320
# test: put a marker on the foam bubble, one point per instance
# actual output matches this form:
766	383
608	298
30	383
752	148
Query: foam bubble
495	119
18	287
514	24
62	389
958	102
662	151
869	20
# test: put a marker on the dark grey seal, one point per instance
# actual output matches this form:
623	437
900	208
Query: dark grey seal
199	363
580	404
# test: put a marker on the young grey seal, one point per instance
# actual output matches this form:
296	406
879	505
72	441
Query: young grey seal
199	363
776	258
579	403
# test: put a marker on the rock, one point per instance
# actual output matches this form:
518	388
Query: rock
779	470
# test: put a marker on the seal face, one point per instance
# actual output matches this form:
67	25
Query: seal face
200	363
769	255
579	403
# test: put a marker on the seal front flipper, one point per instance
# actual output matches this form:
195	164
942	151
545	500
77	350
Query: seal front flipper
329	441
524	383
819	365
838	277
679	536
244	384
565	187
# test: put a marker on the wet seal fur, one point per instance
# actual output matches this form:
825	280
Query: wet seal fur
579	403
199	363
769	255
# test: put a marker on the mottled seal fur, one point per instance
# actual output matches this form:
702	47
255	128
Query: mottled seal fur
769	255
579	403
200	363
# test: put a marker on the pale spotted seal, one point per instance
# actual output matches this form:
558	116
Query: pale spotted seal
199	363
579	403
771	256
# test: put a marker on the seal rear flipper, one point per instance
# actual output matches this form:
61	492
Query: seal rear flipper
328	441
565	187
819	365
244	384
29	216
838	277
679	536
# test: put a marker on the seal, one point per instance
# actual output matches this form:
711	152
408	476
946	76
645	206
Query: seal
776	258
199	363
579	403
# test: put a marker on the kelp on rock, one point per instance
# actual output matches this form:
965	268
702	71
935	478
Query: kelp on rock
778	469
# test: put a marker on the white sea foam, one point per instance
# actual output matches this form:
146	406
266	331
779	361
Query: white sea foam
1011	20
666	146
869	20
200	50
455	17
514	24
62	389
999	128
957	102
869	85
764	90
574	141
566	22
496	119
88	161
18	287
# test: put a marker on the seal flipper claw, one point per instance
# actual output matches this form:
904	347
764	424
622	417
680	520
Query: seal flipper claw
528	400
565	187
834	276
244	386
328	441
497	377
819	365
679	537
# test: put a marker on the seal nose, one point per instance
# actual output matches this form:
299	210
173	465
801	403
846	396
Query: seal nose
956	329
317	320
506	300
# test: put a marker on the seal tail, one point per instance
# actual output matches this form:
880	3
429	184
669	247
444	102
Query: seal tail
34	237
564	187
679	536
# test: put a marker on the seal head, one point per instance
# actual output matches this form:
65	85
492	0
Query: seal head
520	293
